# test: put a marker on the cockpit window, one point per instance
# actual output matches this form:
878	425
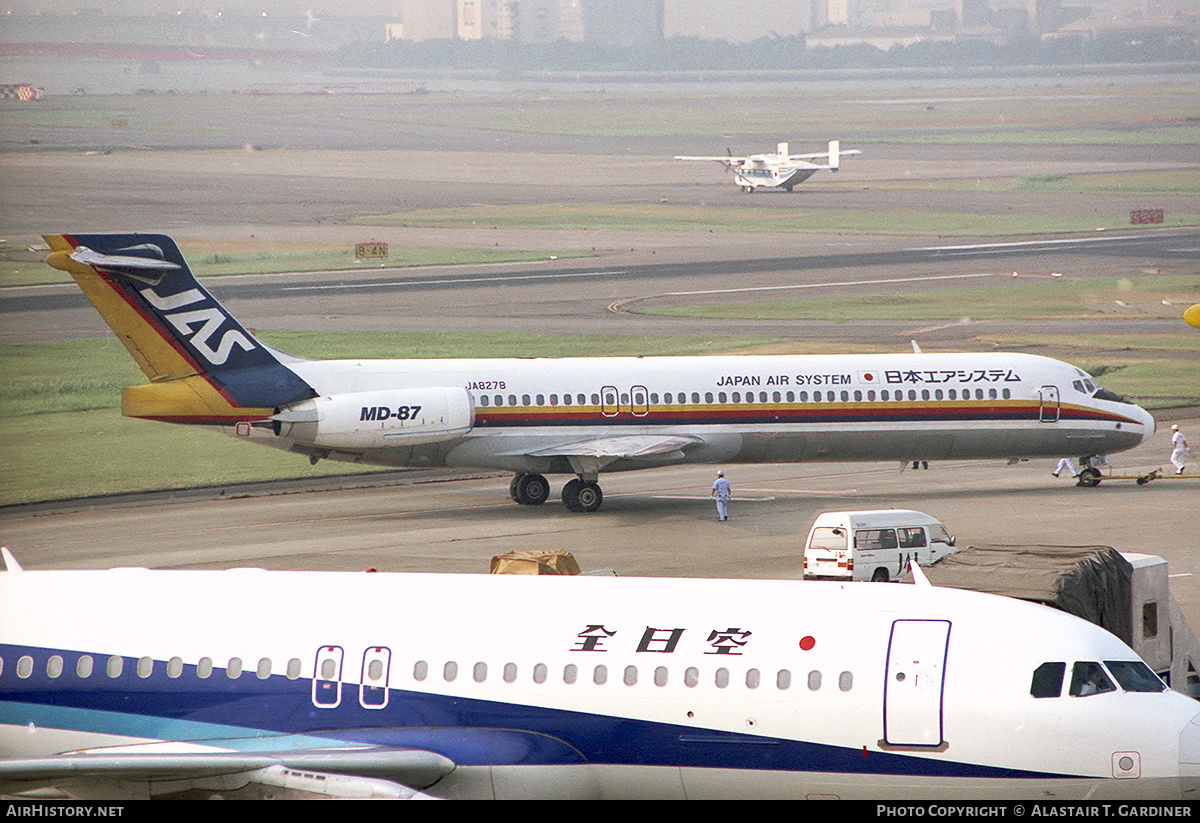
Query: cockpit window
1135	676
1088	678
1048	680
1085	385
1105	394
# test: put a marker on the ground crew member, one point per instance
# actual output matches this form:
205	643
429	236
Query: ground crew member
721	491
1179	447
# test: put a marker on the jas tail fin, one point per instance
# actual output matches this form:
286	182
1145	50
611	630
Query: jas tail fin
203	366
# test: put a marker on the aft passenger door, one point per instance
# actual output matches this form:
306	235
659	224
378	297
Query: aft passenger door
912	690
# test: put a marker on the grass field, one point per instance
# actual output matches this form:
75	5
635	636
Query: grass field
1073	110
660	217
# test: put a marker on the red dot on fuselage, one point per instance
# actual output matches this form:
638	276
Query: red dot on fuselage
806	643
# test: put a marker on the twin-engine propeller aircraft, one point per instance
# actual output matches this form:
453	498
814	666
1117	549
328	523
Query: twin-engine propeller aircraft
576	416
776	171
343	684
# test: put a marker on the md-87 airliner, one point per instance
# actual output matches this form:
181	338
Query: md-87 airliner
129	683
542	416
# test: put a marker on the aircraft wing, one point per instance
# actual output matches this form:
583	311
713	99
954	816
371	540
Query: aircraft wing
360	772
592	455
627	447
820	155
720	158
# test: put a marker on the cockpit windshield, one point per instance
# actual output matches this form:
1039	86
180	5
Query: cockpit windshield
1084	384
1088	677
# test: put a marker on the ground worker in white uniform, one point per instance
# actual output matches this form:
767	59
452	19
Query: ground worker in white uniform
722	491
1068	464
1179	447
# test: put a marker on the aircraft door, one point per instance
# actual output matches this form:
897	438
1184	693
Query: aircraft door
327	678
373	693
912	690
639	402
610	403
1049	406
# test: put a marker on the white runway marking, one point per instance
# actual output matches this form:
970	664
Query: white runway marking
617	306
493	279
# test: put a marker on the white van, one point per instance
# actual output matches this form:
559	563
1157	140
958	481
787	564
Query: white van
872	545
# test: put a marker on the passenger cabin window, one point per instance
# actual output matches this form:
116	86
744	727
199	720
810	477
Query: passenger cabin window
911	538
875	539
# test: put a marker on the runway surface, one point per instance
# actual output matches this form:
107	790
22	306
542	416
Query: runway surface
654	523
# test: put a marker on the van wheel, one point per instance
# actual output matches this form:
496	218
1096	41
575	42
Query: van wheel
880	576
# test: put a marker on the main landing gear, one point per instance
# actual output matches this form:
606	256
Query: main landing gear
529	489
582	496
578	495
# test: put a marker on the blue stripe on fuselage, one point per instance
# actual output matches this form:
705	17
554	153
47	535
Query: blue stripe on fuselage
249	713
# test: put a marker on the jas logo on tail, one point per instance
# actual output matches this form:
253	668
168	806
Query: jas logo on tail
199	325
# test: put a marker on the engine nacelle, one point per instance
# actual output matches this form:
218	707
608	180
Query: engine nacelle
378	419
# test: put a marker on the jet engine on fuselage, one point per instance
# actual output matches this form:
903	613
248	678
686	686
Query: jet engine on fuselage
379	419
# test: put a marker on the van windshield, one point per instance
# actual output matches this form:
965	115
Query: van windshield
938	534
824	537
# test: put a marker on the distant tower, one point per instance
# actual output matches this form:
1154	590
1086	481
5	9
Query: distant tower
429	20
971	13
837	12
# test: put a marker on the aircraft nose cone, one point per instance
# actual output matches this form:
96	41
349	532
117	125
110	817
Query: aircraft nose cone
1147	420
1189	758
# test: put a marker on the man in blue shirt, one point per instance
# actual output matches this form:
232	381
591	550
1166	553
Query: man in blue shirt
721	491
